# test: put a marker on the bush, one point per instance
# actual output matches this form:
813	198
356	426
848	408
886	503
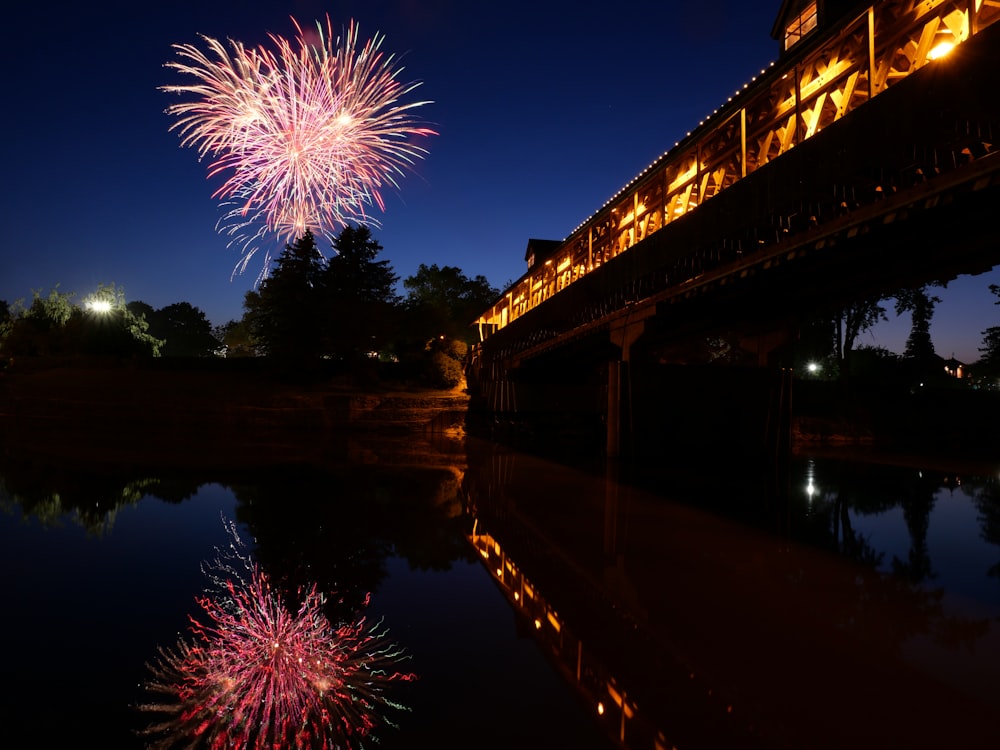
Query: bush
443	371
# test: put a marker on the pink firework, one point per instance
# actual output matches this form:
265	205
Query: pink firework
257	675
306	135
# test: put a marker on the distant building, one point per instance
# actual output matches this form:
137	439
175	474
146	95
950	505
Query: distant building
954	368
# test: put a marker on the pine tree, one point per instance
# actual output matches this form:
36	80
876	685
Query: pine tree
360	301
920	305
285	313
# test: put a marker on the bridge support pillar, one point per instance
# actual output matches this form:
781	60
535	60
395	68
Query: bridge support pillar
623	335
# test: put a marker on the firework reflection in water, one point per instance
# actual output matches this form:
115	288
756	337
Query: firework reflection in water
255	674
307	133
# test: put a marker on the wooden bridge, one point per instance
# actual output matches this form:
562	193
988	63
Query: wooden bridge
862	162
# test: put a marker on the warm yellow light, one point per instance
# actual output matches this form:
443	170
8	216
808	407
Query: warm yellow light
600	709
99	305
941	50
615	695
553	622
688	174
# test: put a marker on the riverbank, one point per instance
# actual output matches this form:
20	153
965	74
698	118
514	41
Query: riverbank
204	413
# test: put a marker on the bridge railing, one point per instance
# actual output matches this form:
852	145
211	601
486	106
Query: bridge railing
818	83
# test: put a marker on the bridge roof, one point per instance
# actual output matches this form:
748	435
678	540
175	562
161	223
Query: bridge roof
540	249
828	11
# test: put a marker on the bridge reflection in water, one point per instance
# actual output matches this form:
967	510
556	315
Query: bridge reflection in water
680	628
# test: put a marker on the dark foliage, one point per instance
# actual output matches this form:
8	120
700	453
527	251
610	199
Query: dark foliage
445	302
361	309
286	314
54	326
183	328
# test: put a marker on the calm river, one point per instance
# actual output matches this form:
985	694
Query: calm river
843	604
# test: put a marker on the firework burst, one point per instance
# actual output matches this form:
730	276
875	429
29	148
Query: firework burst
306	135
258	675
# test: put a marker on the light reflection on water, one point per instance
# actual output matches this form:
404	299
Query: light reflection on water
93	587
768	632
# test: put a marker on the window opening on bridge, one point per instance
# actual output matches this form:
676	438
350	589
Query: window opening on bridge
800	25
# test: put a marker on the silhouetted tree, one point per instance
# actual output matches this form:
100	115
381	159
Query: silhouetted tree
38	329
445	302
184	329
284	315
141	309
361	307
441	304
309	308
920	305
105	326
990	361
54	325
237	337
5	323
852	321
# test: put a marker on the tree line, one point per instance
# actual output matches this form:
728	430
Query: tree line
342	313
832	341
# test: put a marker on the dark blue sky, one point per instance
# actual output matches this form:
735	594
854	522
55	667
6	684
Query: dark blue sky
544	110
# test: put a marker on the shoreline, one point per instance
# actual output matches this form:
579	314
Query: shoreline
238	413
103	412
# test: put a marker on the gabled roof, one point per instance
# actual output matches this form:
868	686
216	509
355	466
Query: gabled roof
541	249
827	11
788	9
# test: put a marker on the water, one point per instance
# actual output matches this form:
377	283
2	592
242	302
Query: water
847	604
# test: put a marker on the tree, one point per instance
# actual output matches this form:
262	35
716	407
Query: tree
920	305
284	316
990	361
54	325
6	320
445	301
141	309
441	304
38	330
238	339
852	321
361	304
309	307
185	331
105	326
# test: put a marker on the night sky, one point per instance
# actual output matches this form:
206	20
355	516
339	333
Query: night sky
544	110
